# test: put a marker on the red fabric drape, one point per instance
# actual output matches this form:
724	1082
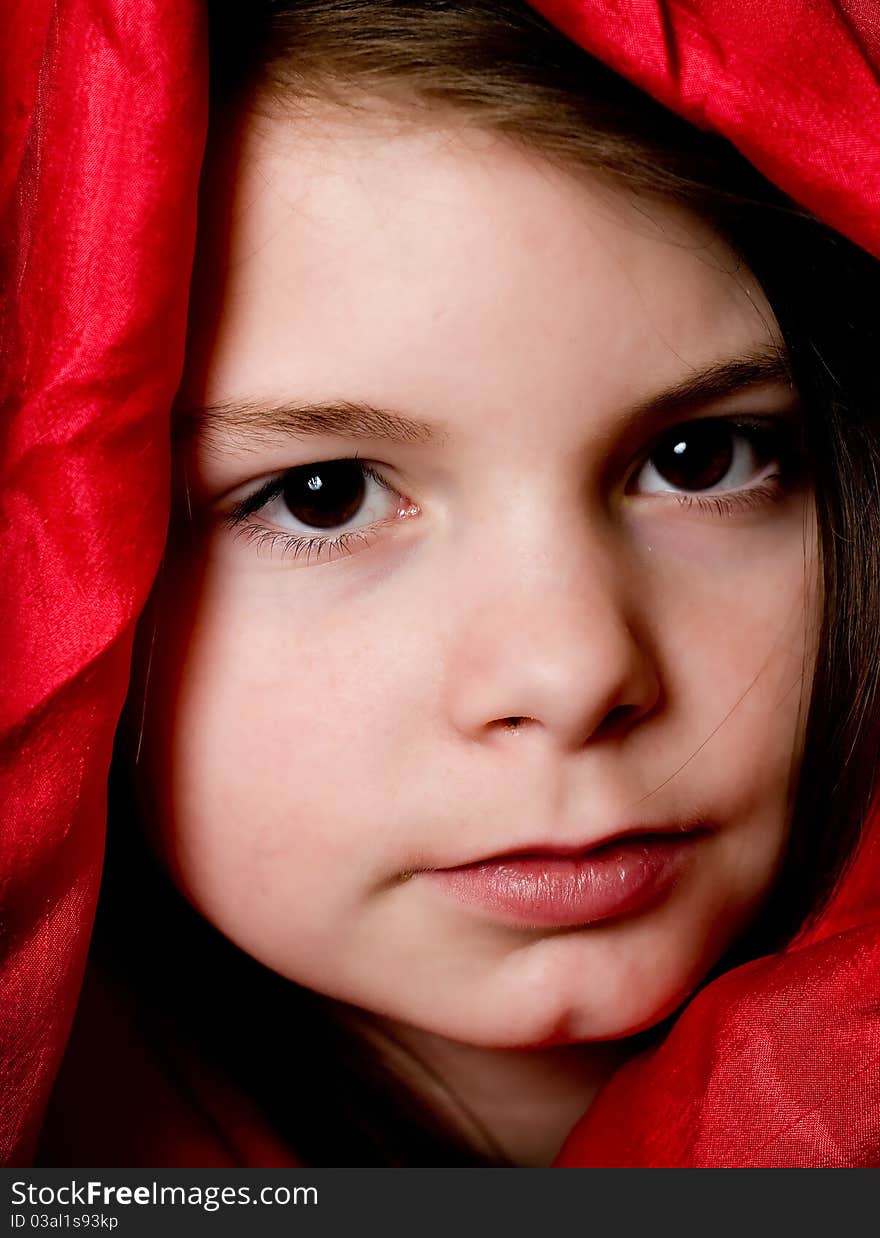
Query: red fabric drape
103	127
103	114
776	1063
792	83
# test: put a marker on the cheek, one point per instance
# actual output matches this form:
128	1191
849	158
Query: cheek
735	642
736	611
264	734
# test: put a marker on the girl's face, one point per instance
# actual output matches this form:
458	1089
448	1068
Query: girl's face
559	593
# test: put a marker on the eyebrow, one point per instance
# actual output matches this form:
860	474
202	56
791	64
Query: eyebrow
725	378
333	418
251	419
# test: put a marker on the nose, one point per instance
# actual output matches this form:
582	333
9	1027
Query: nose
565	654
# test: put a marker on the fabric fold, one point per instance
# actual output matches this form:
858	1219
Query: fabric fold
99	188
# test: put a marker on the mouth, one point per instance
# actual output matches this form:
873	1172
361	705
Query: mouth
631	836
624	874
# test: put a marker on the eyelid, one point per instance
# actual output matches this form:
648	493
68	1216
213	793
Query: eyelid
270	486
326	545
222	474
634	438
786	425
258	498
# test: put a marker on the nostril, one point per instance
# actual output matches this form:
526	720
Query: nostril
616	720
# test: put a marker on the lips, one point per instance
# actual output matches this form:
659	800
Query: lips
625	874
629	835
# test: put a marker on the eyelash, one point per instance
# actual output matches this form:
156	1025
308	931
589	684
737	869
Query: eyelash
295	545
774	435
773	438
734	502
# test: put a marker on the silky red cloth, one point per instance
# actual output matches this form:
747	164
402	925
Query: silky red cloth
103	123
792	83
103	115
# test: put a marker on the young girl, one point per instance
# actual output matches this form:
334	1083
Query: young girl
509	674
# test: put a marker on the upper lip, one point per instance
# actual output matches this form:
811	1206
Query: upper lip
572	850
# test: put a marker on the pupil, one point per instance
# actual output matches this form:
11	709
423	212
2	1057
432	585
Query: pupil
695	457
325	495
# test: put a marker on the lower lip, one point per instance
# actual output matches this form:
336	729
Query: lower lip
550	891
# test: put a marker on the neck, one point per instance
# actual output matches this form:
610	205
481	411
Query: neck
513	1106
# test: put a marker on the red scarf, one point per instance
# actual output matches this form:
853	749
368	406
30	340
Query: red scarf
103	106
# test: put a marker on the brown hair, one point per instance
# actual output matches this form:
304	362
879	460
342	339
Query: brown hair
500	66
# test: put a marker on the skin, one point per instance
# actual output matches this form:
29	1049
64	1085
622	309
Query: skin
318	730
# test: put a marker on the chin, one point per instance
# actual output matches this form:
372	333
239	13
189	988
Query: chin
565	1023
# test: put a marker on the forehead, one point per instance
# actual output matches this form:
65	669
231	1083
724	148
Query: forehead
406	260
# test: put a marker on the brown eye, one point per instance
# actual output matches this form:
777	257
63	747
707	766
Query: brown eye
695	457
317	512
713	454
330	495
326	495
